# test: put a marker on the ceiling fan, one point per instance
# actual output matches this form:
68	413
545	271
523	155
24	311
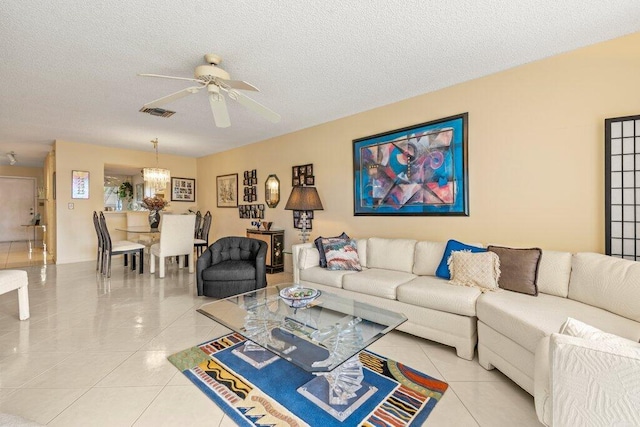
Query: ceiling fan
216	80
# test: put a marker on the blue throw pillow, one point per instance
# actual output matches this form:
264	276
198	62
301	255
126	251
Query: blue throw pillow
453	245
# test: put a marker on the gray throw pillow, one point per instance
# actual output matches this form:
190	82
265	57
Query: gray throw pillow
518	269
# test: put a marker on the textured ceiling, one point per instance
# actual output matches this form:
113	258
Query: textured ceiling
68	68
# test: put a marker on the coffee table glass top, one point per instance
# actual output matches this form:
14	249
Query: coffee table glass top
317	338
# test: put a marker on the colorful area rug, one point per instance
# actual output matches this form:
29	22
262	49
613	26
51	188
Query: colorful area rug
268	396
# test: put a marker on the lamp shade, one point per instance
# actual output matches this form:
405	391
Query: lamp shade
304	199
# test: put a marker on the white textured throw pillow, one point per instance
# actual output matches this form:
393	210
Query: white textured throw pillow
479	269
576	328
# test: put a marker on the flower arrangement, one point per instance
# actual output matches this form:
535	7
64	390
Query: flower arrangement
154	203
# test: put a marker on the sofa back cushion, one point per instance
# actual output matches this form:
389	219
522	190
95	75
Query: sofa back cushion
610	283
554	273
362	251
428	256
391	254
308	257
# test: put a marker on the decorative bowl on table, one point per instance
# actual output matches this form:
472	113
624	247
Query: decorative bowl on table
299	296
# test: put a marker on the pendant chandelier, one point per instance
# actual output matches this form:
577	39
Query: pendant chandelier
156	178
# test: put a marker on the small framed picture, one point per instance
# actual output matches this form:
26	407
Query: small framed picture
310	180
227	191
79	184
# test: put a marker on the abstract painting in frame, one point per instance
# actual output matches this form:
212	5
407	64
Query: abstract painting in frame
417	170
227	191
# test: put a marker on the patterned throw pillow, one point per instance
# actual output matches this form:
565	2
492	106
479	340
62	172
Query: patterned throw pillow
479	269
341	254
318	243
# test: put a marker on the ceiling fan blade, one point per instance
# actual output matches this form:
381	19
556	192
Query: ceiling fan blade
219	110
173	78
236	84
255	106
169	98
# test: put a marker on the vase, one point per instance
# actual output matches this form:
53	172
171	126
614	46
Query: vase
154	219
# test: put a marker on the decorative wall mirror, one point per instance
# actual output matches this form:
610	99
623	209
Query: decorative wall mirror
272	191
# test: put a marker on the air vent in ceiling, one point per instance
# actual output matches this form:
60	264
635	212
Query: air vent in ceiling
160	112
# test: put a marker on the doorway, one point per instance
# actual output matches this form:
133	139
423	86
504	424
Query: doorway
17	207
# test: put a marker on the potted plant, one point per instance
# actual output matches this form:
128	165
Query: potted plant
125	191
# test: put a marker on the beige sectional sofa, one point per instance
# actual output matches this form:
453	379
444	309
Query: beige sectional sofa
399	274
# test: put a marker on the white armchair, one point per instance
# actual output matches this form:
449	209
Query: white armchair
587	380
176	239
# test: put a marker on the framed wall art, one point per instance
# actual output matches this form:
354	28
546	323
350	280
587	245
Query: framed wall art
417	170
227	191
183	189
79	184
302	175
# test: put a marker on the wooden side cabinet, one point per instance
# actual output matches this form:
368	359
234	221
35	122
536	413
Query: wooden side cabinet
275	246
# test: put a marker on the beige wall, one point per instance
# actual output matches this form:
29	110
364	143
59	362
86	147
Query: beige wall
22	171
76	238
536	155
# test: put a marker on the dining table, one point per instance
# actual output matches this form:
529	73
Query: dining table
139	229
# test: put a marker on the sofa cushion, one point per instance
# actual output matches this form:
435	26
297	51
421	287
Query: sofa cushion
391	254
518	268
362	251
480	270
453	245
377	282
308	257
554	273
323	276
319	246
436	293
427	257
341	254
230	270
606	282
525	320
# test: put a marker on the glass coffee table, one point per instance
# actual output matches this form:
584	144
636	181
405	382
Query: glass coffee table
321	334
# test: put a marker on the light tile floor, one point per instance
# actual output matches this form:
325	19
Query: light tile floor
94	353
16	254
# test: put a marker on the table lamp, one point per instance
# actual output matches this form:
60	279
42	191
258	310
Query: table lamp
304	199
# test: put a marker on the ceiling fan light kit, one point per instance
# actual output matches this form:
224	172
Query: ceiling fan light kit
217	81
12	158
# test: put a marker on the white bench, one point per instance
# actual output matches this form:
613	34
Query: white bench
11	280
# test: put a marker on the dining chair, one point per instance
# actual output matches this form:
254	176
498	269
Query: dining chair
198	227
99	256
201	242
121	247
176	239
139	218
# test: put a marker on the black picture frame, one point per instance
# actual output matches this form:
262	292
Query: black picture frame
183	189
417	170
